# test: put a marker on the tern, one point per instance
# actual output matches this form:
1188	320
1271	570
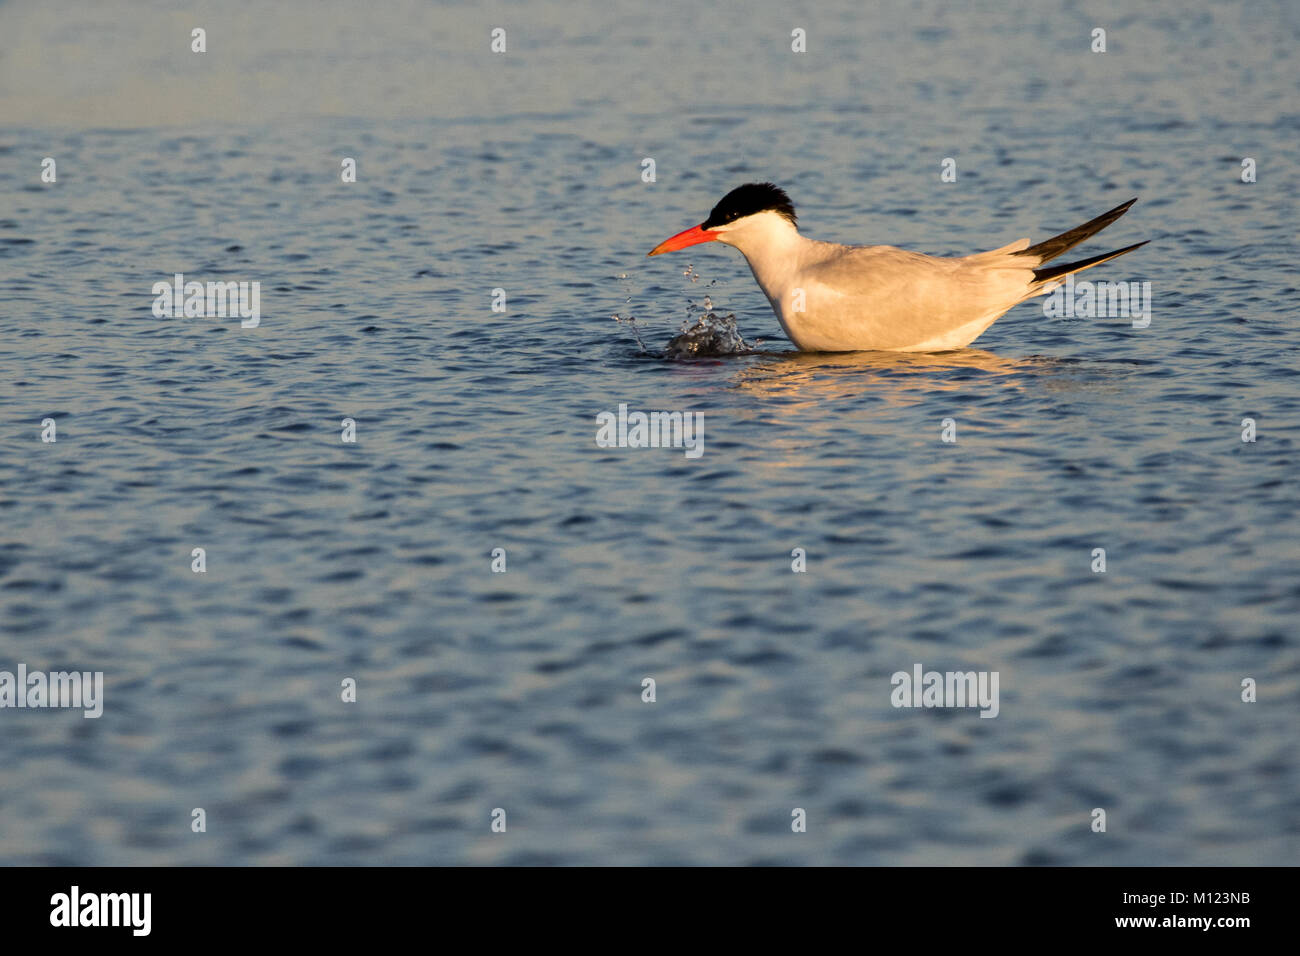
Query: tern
834	298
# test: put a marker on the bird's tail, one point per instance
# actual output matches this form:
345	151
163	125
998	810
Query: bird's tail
1049	249
1046	277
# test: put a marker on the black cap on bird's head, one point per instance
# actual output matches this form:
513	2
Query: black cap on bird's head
747	200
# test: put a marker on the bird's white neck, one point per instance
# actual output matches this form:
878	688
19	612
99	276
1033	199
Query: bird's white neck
772	246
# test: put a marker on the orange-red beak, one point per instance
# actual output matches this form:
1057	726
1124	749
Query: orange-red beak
691	237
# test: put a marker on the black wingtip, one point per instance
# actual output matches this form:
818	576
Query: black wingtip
1056	272
1058	245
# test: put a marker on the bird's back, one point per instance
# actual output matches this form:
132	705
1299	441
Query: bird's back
883	297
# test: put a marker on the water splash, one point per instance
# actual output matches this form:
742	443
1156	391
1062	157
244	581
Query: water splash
710	334
702	333
629	320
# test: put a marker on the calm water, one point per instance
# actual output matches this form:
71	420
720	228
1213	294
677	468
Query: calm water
476	430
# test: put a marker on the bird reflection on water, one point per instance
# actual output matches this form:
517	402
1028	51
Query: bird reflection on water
822	376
